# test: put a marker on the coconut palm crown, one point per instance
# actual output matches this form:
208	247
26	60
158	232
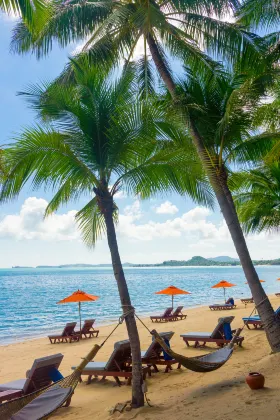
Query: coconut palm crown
114	29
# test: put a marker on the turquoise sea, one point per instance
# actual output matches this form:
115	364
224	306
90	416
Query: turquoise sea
28	296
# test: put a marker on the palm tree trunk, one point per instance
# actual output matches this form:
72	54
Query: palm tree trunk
224	198
137	379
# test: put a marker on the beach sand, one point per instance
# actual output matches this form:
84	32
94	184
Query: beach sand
180	394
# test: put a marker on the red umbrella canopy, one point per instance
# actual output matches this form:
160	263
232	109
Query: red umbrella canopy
172	290
79	296
223	283
261	281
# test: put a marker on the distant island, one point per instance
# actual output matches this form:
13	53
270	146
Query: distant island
221	261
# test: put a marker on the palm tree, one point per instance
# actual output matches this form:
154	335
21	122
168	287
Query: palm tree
115	28
258	198
95	138
220	114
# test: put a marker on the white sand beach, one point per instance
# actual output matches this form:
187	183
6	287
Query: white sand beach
180	394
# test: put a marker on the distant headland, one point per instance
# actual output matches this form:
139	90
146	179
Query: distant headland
221	261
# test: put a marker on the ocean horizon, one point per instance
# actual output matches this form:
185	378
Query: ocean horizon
28	307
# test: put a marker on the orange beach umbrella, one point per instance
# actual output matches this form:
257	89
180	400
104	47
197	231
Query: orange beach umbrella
223	284
261	281
79	296
172	290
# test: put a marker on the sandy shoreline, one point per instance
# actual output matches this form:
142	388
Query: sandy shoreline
219	395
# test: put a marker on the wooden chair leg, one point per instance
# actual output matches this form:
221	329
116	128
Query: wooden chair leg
117	379
89	379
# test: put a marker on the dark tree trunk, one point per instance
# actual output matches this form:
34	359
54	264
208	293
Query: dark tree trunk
137	380
224	198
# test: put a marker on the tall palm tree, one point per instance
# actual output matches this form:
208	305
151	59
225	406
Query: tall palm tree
258	198
96	138
115	28
220	114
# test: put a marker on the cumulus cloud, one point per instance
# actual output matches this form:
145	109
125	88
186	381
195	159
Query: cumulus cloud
193	222
166	208
29	223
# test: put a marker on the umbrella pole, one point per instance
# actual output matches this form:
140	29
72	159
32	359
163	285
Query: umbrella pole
80	316
172	301
224	293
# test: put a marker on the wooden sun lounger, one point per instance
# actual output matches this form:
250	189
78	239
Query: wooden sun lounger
255	321
165	317
153	355
88	330
38	377
117	366
178	315
217	336
246	301
67	335
222	307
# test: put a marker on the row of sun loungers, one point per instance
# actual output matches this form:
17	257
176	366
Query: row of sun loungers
45	370
69	334
169	315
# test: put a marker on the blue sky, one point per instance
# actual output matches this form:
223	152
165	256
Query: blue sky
163	228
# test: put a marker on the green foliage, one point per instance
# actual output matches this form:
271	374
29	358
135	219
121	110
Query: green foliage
113	29
258	198
96	137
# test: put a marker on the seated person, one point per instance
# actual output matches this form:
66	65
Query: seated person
230	301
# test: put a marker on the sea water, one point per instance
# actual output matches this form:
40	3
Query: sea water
28	298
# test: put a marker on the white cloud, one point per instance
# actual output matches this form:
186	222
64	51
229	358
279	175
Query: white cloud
30	223
191	223
141	239
166	208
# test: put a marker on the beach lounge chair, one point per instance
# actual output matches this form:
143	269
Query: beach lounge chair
118	365
88	330
221	306
153	356
255	320
246	301
165	317
41	374
221	335
277	294
177	314
68	334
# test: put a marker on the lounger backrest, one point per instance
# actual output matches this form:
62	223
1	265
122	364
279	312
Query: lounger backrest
218	331
120	356
178	310
38	376
167	312
69	328
88	323
155	349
